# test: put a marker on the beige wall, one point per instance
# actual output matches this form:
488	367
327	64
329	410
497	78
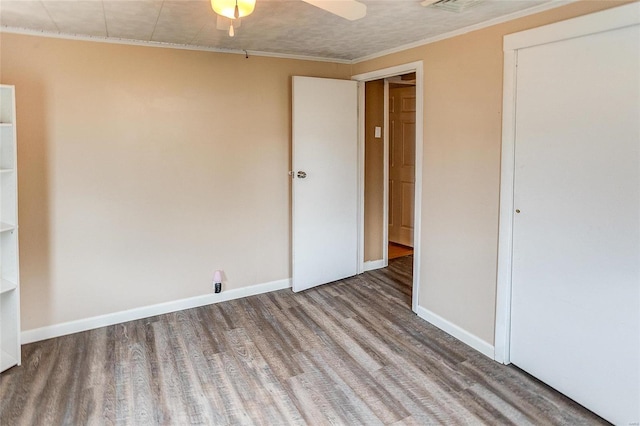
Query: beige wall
462	136
142	170
373	171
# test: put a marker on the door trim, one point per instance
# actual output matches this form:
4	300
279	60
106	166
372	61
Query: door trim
385	175
610	19
416	67
361	121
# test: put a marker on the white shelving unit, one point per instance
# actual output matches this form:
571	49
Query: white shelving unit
9	270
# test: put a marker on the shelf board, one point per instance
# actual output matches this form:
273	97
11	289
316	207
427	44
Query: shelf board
6	227
6	360
6	286
6	170
6	124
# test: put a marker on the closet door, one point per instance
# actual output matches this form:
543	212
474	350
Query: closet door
576	238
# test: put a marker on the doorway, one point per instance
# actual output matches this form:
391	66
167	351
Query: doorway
401	133
375	227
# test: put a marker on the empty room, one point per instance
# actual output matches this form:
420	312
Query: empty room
347	212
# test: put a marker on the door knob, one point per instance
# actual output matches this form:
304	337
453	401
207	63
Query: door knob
302	174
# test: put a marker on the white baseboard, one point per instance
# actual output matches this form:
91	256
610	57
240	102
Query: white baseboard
56	330
459	333
370	265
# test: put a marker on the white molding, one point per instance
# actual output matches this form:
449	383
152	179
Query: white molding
520	14
371	265
417	221
458	332
51	34
418	68
56	330
610	19
385	176
389	72
361	177
505	226
614	18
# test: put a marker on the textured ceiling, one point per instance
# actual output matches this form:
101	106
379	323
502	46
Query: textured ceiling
277	26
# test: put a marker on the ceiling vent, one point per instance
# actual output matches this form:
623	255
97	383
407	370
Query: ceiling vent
451	5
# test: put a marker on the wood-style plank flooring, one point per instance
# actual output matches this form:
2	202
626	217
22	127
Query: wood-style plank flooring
396	250
351	352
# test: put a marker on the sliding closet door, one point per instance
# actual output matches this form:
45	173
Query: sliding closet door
576	236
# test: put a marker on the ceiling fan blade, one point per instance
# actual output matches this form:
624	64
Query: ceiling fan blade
347	9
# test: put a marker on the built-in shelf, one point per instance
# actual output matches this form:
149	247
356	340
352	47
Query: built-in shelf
9	268
6	286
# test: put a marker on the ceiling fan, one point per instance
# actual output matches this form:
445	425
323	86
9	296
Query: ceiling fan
347	9
233	10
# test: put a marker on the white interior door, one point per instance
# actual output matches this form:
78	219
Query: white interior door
576	238
325	181
402	163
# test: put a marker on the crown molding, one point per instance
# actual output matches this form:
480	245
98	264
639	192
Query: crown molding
522	13
111	40
510	17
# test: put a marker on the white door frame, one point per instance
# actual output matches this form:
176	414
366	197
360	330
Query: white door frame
416	67
618	17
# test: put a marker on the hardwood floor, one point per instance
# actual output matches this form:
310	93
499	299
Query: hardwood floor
398	250
351	352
